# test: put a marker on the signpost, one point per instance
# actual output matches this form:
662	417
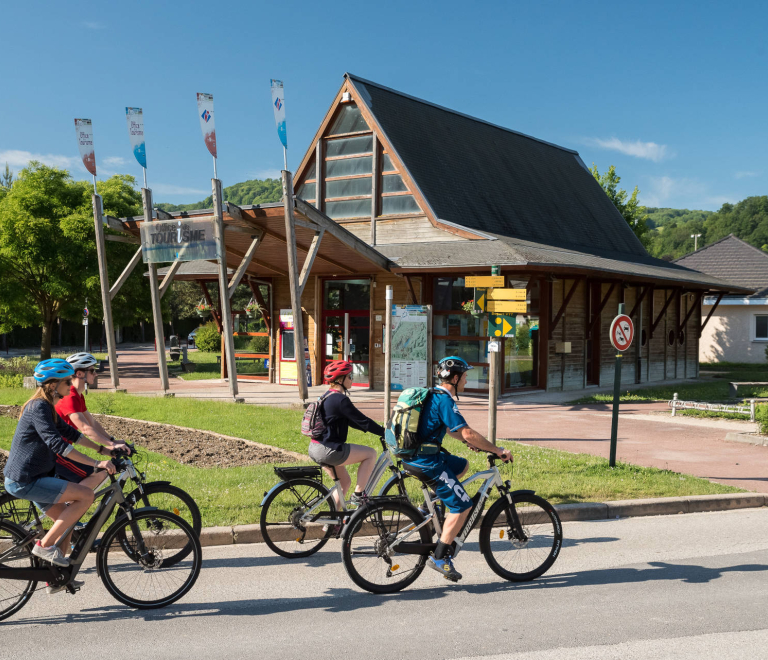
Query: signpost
501	326
484	281
621	334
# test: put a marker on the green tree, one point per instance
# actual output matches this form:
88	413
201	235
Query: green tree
6	178
628	205
48	261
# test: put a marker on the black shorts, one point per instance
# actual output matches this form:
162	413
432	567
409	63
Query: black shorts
71	471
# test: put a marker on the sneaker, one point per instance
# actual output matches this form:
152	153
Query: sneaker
56	589
52	555
358	498
333	530
444	567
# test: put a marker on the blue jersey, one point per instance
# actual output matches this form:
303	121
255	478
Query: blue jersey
439	414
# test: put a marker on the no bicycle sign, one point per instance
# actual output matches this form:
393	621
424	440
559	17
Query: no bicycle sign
622	332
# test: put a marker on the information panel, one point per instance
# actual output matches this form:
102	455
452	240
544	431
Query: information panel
182	240
409	346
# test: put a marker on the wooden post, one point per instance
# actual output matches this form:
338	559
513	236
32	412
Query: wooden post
493	391
154	287
106	299
388	353
293	276
375	188
226	316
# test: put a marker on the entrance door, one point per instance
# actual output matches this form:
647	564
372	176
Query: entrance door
347	325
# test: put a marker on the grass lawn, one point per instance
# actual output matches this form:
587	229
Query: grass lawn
208	367
232	495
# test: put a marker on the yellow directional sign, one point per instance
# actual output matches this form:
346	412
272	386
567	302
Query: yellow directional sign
480	299
501	326
484	281
506	307
507	294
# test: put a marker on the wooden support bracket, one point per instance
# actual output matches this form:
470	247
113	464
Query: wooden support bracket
599	311
214	311
711	311
115	223
309	260
263	264
663	309
639	301
169	277
690	312
260	300
132	240
411	290
561	311
247	257
163	215
125	274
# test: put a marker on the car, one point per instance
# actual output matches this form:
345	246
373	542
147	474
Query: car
191	337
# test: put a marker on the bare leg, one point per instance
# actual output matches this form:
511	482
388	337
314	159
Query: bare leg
452	526
92	481
366	456
80	498
345	481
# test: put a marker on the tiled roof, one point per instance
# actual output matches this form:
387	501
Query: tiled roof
732	260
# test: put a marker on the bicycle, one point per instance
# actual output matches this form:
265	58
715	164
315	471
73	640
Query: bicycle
520	536
133	551
299	514
163	496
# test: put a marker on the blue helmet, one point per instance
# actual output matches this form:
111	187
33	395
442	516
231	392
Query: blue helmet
54	369
451	365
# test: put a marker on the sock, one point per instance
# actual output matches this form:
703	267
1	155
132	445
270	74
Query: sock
441	550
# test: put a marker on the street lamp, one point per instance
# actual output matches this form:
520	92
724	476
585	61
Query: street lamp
695	238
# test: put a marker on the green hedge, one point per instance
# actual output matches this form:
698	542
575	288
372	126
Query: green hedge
208	338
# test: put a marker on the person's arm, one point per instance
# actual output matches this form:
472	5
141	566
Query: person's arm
88	426
357	420
476	441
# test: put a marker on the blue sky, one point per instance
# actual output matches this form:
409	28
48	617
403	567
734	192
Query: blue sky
672	93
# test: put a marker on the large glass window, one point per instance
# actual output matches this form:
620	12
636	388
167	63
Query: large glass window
347	294
288	350
348	120
349	208
348	166
386	164
348	187
399	204
393	183
311	171
306	191
761	327
349	146
450	293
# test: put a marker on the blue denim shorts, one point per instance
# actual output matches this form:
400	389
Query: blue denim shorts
43	492
439	472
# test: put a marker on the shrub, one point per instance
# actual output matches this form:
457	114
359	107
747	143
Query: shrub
761	417
13	370
11	380
208	338
258	345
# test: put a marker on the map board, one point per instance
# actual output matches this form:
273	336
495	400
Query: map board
410	341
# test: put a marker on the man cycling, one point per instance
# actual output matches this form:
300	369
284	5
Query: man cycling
72	409
440	470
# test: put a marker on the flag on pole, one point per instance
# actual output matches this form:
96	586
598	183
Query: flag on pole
205	112
278	104
84	130
135	119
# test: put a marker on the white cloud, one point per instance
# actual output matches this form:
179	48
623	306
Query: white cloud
638	149
94	25
745	175
170	189
265	174
666	191
114	161
17	159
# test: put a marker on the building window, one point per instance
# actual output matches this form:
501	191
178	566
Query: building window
761	327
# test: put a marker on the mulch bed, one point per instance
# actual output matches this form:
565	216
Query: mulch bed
190	447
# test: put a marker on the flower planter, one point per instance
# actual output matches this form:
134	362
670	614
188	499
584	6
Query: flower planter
203	313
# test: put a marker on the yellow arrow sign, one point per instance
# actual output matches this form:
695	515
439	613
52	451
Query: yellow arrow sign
480	299
507	294
484	281
507	307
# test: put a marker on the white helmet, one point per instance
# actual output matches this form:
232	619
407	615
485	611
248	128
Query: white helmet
81	361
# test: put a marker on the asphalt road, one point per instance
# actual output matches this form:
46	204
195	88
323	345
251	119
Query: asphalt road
685	587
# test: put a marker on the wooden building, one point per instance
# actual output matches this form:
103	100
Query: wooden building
420	197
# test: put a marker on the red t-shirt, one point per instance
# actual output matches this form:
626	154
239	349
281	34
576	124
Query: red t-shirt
72	403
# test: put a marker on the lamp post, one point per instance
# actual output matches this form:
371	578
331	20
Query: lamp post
695	238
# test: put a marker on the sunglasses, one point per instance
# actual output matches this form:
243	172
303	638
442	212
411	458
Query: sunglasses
68	382
91	370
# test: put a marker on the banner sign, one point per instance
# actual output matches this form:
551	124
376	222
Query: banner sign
135	119
185	240
278	104
84	130
409	346
205	112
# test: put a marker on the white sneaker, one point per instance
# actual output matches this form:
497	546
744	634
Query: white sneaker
52	555
54	590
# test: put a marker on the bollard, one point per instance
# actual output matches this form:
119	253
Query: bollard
674	402
751	410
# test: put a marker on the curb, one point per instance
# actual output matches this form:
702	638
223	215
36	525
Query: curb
747	438
660	506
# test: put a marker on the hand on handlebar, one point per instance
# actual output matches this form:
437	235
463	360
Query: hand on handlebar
106	465
505	455
119	448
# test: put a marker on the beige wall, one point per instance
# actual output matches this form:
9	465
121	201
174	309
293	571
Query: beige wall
730	334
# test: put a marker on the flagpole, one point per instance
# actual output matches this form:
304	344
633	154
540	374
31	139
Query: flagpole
215	173
285	159
94	185
145	177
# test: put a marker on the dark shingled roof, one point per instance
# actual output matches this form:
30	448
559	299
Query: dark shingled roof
496	180
732	260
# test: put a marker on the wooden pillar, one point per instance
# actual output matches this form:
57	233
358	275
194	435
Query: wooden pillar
375	188
106	301
493	390
388	353
226	316
154	287
293	276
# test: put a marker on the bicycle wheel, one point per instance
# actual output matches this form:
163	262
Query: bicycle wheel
412	490
14	594
143	579
365	542
280	520
515	559
167	498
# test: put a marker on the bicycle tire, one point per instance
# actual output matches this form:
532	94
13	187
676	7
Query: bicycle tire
11	535
191	513
148	564
387	518
537	553
392	489
280	539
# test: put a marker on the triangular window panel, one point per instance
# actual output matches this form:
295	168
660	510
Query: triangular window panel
348	120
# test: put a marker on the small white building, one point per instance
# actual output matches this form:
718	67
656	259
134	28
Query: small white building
738	328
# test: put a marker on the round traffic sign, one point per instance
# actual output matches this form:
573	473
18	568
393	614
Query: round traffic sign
622	332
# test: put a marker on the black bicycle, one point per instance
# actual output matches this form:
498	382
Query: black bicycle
137	560
387	540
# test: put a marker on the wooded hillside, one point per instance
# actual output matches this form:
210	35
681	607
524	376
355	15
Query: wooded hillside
255	191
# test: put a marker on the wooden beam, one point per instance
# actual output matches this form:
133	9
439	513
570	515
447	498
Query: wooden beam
169	277
163	215
306	225
411	290
711	311
260	300
690	312
241	230
639	301
599	311
560	313
115	223
214	311
263	264
244	265
319	178
125	274
309	260
123	239
663	309
375	188
106	299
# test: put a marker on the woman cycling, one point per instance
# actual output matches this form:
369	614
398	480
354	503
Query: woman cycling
39	436
338	413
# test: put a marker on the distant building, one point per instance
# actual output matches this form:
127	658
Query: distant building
738	328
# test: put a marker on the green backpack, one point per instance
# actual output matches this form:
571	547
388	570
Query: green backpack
401	433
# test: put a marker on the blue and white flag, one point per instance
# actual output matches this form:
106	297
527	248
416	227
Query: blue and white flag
135	119
278	103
